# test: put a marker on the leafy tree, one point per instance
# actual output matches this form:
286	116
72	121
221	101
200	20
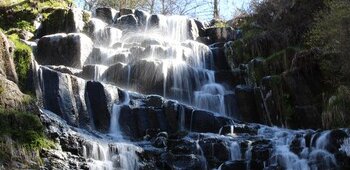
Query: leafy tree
331	33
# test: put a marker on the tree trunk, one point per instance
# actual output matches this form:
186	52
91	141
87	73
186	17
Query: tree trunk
216	9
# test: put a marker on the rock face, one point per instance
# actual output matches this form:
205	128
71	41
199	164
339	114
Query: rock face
107	14
98	100
62	49
7	66
127	22
11	97
62	94
62	21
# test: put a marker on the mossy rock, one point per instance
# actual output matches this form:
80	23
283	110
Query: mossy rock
279	104
63	21
23	132
22	59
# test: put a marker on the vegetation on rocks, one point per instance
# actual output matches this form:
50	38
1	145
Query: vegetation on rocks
22	58
306	43
21	138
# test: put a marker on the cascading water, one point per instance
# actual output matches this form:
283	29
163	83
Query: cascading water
114	125
163	59
167	49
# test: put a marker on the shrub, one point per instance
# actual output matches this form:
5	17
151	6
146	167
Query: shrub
337	110
331	34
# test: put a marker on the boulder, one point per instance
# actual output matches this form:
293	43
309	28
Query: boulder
10	95
62	21
186	162
203	121
127	22
141	18
154	21
106	14
201	27
246	103
7	66
98	103
219	58
224	34
58	95
61	49
236	165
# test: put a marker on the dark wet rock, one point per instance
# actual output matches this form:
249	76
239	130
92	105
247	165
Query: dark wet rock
141	18
98	102
57	95
128	123
203	121
62	49
261	150
296	146
106	14
62	21
201	28
127	22
238	129
220	34
154	21
171	113
246	103
117	74
185	162
182	146
219	57
160	142
154	101
230	77
236	165
330	140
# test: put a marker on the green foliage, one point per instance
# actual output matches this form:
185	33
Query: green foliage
22	13
337	110
22	59
331	34
24	128
86	17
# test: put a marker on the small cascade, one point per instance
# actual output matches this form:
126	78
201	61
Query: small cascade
211	97
114	129
235	151
99	70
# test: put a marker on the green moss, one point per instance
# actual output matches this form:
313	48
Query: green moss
24	128
22	58
21	14
86	17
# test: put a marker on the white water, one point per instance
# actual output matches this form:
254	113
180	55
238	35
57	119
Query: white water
235	151
114	129
185	65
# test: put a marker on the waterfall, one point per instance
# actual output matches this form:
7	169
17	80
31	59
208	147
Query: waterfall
114	128
123	110
235	151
